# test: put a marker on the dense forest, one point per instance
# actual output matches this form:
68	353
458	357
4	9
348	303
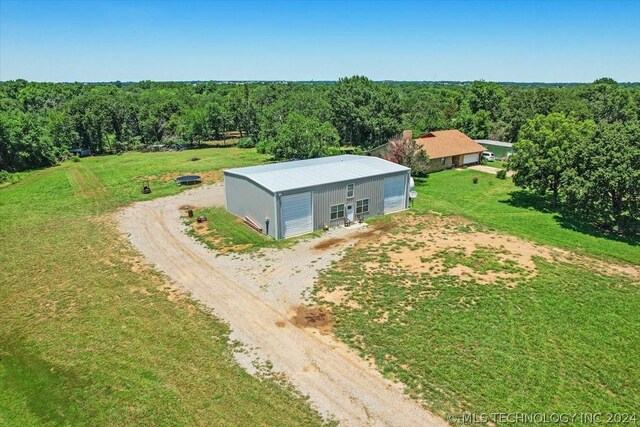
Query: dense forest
577	142
40	122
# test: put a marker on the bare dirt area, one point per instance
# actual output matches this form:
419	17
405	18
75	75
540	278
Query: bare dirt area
435	245
263	297
312	317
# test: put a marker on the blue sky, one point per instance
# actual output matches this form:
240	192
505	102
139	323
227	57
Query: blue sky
419	40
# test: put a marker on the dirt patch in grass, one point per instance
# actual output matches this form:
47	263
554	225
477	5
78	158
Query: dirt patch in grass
371	233
444	245
329	243
443	302
375	230
338	296
200	227
312	317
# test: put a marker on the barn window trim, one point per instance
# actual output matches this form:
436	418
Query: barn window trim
351	188
337	211
362	206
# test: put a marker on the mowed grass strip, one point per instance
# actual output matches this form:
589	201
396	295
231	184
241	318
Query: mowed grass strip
563	341
89	335
502	206
224	232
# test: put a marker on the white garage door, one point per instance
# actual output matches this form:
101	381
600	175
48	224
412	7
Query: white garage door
296	214
394	194
470	158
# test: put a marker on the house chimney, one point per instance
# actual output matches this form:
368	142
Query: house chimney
407	135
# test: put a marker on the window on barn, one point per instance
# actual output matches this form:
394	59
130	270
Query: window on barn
350	188
362	206
337	211
443	160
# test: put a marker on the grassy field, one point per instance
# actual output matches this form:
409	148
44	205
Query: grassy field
88	334
225	232
502	206
564	341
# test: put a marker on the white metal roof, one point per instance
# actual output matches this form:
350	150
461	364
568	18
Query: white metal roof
496	143
308	173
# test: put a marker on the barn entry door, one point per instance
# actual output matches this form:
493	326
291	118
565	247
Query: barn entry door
394	194
350	212
297	217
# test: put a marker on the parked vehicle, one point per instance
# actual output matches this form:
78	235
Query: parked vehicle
488	156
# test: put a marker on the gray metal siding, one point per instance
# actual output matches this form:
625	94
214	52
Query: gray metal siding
332	194
297	214
395	193
244	198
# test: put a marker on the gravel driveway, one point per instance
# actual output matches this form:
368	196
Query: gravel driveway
257	296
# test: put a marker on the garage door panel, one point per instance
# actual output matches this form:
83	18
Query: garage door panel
471	158
297	215
394	194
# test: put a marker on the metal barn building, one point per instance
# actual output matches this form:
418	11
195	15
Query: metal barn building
292	198
498	148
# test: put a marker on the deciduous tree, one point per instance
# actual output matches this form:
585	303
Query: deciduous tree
365	114
301	137
602	182
543	151
407	152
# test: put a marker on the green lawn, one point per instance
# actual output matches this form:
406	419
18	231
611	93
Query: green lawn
502	206
88	335
497	164
227	233
564	341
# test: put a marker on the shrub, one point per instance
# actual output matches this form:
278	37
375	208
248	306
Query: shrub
475	179
5	177
262	147
75	159
246	142
334	151
501	174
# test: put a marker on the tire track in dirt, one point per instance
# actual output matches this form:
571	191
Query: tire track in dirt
338	382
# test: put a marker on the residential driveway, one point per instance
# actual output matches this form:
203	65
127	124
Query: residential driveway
488	169
257	296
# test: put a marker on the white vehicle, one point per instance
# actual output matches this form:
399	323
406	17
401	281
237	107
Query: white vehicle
488	156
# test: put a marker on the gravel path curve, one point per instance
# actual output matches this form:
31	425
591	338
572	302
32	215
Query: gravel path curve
256	296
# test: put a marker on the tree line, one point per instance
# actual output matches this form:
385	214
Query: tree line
590	169
578	143
40	122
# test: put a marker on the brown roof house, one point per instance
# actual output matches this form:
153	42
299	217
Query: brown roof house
446	149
